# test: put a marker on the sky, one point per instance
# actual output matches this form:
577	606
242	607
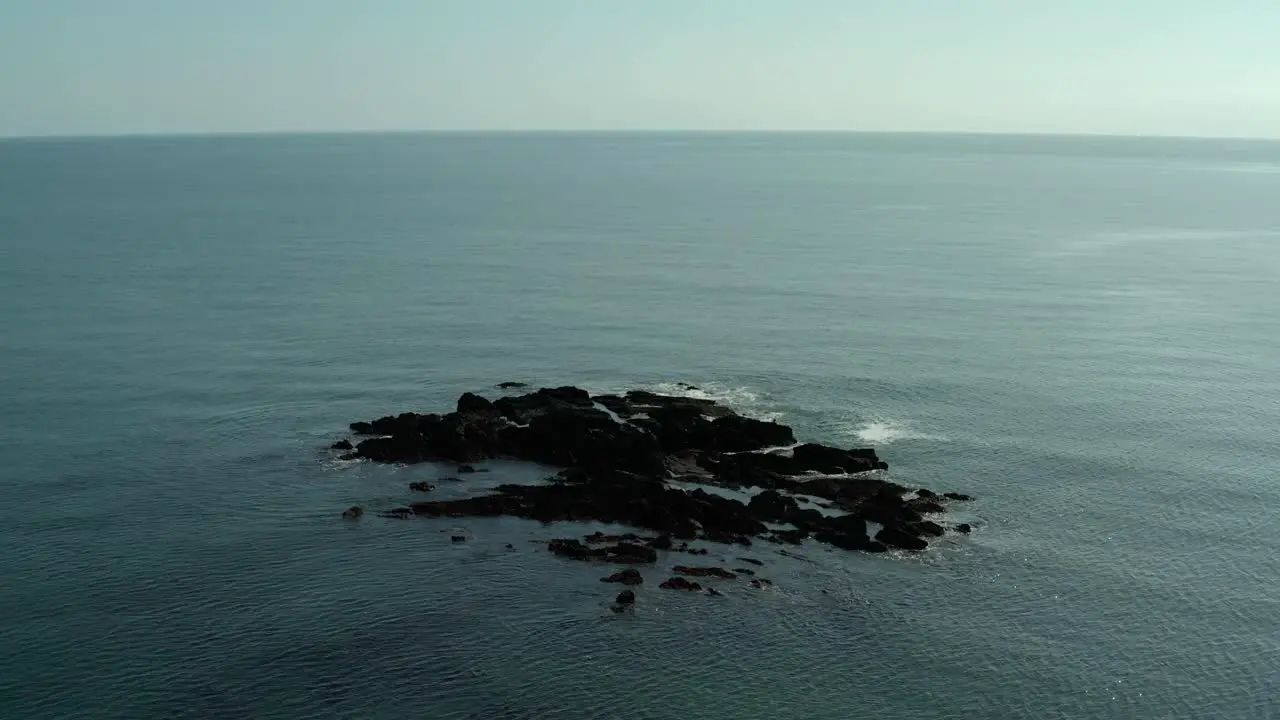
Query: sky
1143	67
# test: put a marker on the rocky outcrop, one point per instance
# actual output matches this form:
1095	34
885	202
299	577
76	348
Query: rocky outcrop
619	452
421	486
342	445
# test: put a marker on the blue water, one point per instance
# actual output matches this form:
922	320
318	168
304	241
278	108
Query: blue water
1080	332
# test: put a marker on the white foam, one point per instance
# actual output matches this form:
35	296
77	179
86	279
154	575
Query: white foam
740	398
883	432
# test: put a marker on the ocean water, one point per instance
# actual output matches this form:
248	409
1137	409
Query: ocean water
1081	332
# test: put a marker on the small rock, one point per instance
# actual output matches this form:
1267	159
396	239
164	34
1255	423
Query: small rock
508	385
450	479
349	456
510	546
753	561
957	496
630	576
926	494
353	513
626	597
744	571
964	528
342	445
679	583
662	542
402	513
714	592
704	572
421	487
761	583
458	538
466	469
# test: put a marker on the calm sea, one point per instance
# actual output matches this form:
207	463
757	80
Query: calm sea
1083	333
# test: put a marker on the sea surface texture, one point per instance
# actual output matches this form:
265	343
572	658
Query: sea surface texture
1082	333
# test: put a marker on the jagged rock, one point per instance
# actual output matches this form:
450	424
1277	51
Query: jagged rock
927	527
342	445
956	496
895	536
626	597
421	486
630	576
619	453
353	513
704	572
679	583
964	528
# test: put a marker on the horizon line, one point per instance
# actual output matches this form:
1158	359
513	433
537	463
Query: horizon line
192	134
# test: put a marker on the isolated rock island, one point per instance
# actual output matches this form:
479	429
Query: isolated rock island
631	459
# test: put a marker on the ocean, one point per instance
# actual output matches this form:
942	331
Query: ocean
1080	332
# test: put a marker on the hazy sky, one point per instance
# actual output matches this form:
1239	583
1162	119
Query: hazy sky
1171	67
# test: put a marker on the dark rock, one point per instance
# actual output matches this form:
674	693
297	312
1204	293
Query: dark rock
626	597
926	527
964	528
466	469
696	551
472	404
353	513
753	561
450	479
362	428
679	583
714	592
956	496
510	546
895	536
508	385
761	583
662	542
342	445
458	538
599	537
630	576
791	537
926	494
704	572
925	506
773	505
349	456
811	456
401	513
734	433
622	553
421	486
744	571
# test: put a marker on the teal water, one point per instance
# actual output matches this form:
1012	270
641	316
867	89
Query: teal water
1080	332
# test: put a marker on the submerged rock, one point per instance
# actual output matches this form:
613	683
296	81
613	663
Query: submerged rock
353	513
704	572
626	597
964	528
421	486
